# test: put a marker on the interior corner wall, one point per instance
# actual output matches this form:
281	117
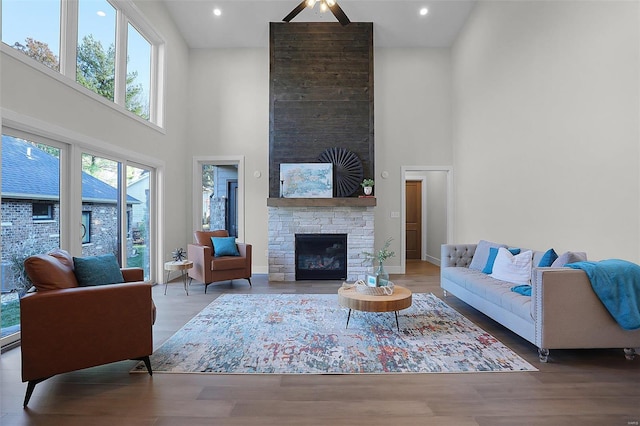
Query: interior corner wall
546	126
228	113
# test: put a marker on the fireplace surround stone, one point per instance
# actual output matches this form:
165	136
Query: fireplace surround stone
286	222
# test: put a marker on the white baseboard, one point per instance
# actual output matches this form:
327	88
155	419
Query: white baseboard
433	260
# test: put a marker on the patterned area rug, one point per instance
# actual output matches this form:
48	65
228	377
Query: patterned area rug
291	333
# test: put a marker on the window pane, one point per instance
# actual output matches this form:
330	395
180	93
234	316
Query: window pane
138	187
101	197
33	27
138	73
219	198
208	173
96	47
42	211
86	227
22	236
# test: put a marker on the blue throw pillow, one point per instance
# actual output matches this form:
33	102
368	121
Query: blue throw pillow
97	270
548	258
224	246
493	252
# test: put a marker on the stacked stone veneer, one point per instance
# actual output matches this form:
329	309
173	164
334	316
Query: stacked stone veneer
285	222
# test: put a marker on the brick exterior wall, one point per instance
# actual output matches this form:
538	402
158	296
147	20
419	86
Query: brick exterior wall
23	236
285	222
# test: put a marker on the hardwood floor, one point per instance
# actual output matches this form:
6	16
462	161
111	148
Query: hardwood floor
585	387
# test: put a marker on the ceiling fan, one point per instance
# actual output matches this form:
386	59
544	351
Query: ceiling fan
324	5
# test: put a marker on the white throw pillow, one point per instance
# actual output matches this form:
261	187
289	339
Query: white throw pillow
514	269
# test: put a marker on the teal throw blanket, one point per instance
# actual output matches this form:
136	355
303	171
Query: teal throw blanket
524	289
617	284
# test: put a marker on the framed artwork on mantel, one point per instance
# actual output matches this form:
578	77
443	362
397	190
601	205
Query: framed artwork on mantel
306	180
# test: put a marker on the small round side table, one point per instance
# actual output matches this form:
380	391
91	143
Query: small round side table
182	266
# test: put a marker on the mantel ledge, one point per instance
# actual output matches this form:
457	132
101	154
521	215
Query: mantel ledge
322	202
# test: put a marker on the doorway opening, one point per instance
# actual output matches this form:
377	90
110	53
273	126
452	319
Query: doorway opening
427	212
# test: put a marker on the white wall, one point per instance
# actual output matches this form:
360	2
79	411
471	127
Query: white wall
228	113
436	214
46	102
412	127
546	126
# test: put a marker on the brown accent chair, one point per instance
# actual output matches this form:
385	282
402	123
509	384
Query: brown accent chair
65	327
208	269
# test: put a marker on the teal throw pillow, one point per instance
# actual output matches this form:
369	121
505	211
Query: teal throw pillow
224	246
97	270
548	258
493	252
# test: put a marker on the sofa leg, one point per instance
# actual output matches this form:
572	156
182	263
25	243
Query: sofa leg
629	353
543	354
147	363
30	387
249	279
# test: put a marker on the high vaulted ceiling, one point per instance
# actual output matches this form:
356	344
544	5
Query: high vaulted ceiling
245	23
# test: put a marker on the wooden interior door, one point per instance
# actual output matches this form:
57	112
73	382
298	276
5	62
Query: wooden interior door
413	209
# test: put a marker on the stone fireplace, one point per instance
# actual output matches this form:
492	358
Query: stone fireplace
286	219
320	98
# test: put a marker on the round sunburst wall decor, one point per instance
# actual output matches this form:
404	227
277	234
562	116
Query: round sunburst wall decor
348	170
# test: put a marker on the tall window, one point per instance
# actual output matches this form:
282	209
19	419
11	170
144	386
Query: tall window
25	204
108	49
139	224
114	209
138	73
33	27
96	52
220	201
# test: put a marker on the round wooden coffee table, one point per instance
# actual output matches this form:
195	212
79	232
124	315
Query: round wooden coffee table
352	299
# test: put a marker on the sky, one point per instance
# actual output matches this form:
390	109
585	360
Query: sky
40	20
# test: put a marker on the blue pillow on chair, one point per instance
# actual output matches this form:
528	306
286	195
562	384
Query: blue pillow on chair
97	270
224	246
493	252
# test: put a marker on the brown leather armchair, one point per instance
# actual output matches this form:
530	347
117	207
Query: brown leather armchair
208	268
65	327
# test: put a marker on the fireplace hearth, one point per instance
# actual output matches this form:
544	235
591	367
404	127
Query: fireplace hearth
320	256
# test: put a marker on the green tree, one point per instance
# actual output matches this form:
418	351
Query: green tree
96	71
95	68
208	171
39	51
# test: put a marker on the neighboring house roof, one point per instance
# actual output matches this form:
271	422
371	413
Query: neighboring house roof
31	173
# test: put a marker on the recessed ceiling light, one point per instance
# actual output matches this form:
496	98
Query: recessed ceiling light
217	12
101	13
424	11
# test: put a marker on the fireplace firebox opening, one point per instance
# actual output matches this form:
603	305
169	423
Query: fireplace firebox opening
321	256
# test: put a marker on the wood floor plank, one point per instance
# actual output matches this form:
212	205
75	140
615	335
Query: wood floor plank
586	387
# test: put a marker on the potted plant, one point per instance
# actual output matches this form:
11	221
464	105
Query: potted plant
381	255
367	186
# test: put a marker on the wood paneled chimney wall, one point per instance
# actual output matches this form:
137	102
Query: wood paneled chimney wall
321	93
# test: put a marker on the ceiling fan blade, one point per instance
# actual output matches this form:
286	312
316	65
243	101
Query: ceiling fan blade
339	14
299	8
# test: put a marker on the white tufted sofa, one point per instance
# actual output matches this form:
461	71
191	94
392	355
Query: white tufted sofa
563	312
